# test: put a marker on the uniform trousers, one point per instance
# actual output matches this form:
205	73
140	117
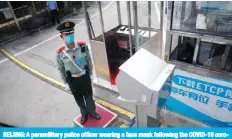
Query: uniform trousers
55	16
81	89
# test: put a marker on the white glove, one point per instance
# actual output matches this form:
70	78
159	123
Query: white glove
67	87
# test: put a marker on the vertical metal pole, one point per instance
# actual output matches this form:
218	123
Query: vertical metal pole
65	6
86	20
15	19
161	14
129	24
196	51
136	116
183	13
90	25
227	53
33	5
101	19
136	25
168	15
161	25
119	13
149	17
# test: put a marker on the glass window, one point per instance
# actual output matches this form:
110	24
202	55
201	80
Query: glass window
183	49
3	4
214	56
142	11
210	17
228	66
155	14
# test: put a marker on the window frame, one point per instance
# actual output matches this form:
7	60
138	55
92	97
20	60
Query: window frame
194	68
199	38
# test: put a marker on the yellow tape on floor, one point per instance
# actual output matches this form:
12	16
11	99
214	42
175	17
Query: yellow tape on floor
31	69
115	108
163	125
123	126
100	101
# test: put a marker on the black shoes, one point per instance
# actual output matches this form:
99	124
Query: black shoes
96	116
84	119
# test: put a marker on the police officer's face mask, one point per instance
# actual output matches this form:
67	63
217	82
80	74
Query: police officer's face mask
69	38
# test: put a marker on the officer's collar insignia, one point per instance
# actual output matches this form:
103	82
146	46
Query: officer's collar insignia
67	25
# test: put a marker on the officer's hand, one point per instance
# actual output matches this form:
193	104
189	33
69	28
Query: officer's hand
67	87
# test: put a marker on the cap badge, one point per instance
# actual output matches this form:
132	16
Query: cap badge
67	25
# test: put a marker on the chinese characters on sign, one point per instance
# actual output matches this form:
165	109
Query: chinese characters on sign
190	95
224	104
198	85
207	99
203	86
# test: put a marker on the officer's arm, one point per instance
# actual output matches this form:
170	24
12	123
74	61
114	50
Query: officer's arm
61	68
89	61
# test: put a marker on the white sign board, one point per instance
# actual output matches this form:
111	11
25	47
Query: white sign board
202	98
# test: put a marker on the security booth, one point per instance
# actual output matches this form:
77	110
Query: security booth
193	36
198	42
123	31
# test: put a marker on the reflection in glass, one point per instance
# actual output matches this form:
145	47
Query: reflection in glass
214	56
184	49
211	17
142	9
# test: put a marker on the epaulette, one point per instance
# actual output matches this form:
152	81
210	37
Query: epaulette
81	43
60	49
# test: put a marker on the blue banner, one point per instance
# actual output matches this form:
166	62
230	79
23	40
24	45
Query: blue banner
165	133
206	87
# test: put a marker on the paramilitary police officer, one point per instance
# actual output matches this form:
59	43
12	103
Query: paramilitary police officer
75	66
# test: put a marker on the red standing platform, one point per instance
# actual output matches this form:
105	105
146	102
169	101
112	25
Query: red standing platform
106	118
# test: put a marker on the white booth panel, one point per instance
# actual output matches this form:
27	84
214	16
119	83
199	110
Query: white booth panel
142	77
100	59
